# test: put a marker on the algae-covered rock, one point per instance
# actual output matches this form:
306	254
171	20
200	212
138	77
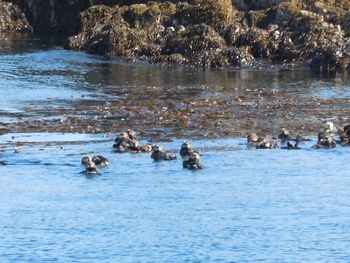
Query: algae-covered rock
12	19
217	13
150	32
105	31
210	33
194	39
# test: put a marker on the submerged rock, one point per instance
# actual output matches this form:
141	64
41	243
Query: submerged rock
12	19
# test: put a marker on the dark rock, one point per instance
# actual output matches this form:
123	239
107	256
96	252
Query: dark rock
12	19
329	61
255	4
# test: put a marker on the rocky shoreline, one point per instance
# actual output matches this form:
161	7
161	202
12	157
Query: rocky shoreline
199	33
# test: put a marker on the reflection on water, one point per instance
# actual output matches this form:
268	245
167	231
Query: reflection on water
43	81
40	81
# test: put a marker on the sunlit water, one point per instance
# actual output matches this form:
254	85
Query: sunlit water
244	206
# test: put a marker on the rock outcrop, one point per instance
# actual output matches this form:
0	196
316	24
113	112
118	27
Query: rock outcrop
12	19
61	15
207	33
54	15
212	33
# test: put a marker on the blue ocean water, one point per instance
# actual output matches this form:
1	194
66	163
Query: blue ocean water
245	206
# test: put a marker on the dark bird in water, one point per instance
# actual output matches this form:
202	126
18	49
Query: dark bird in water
290	146
266	144
344	135
193	161
329	128
2	163
90	166
158	154
325	140
284	135
121	143
99	160
134	146
128	142
92	171
147	148
300	138
132	134
346	130
253	140
185	150
134	143
85	160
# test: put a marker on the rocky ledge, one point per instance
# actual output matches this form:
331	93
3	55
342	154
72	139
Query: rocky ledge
12	19
213	33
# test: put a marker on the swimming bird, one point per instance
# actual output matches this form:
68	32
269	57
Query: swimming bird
121	143
344	135
185	150
158	154
85	160
90	166
253	140
300	138
134	143
2	163
266	144
100	160
329	128
128	142
92	171
346	130
132	134
284	135
193	161
290	146
325	140
134	146
147	148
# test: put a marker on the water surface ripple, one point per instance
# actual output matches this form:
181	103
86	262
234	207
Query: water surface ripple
245	206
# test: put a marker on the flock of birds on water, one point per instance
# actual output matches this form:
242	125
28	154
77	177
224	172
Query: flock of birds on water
128	142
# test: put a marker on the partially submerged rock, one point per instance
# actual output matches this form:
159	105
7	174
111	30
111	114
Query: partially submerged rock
210	33
12	19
